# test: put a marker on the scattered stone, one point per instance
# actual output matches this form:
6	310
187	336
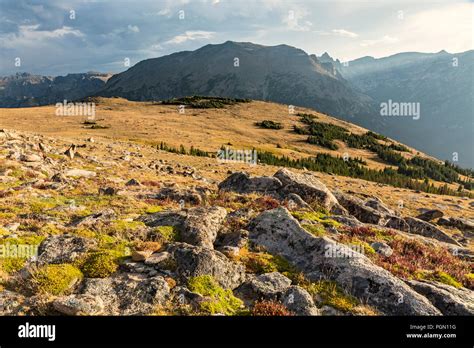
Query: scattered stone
193	261
448	299
299	301
382	248
128	294
133	182
242	183
201	226
31	158
65	248
79	305
427	229
377	204
430	215
307	187
90	220
356	207
262	287
141	255
107	191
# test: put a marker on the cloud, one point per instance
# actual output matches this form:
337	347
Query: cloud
133	28
191	36
293	21
344	33
382	41
30	35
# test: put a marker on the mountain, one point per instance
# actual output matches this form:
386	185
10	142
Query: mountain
25	89
281	74
443	85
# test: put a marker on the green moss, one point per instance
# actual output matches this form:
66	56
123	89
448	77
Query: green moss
332	295
316	230
441	277
55	279
25	240
169	233
220	300
100	264
320	217
154	209
121	226
50	229
262	262
12	264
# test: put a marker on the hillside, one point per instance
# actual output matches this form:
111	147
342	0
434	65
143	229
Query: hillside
282	74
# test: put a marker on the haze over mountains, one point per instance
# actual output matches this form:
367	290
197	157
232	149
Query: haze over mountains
442	86
23	89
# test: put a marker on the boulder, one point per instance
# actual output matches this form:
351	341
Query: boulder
323	258
356	207
262	287
241	182
464	225
299	301
193	261
377	204
382	248
427	229
128	294
201	225
448	299
64	248
430	215
307	187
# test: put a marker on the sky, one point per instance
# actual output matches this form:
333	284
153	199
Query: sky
54	37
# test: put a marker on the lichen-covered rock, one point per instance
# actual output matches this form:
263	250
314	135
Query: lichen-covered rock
377	204
356	207
91	220
201	226
11	303
64	248
464	225
79	305
299	301
193	261
128	294
307	187
427	229
323	258
262	287
241	182
449	300
382	248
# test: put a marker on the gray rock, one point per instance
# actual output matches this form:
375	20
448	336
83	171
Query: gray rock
241	182
397	223
377	204
297	201
430	215
427	229
64	248
128	294
193	261
356	207
382	248
307	186
79	305
11	303
448	299
80	173
262	287
464	225
299	301
201	226
322	258
91	220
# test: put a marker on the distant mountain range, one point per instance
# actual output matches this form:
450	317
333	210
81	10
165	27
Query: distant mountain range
23	89
441	83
